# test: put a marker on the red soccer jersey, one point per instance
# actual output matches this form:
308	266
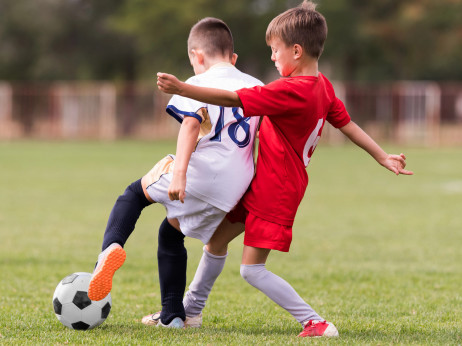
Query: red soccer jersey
295	110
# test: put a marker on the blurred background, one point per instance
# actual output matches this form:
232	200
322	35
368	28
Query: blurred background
85	69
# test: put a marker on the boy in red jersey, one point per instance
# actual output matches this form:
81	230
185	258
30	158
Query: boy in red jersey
295	109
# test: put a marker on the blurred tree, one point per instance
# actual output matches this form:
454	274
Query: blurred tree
161	29
391	39
133	39
67	39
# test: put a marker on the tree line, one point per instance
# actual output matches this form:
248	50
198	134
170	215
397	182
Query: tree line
128	40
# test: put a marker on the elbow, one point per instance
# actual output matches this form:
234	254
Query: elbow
191	123
195	126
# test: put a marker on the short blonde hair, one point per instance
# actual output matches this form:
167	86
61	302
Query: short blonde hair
301	25
213	36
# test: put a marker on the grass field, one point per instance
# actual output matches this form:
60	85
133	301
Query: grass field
378	255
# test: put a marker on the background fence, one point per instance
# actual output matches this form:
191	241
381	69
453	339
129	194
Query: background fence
417	113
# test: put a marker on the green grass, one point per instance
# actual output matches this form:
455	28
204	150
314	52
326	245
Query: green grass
378	255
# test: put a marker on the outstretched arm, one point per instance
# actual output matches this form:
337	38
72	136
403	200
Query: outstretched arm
171	85
394	163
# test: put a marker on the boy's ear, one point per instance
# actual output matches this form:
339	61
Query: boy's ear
198	55
298	51
234	59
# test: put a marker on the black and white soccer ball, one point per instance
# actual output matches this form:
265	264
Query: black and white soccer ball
72	306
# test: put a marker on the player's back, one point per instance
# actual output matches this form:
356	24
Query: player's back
222	165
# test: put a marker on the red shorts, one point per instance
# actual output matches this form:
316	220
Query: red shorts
259	232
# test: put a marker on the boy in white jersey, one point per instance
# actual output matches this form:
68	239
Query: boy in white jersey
213	167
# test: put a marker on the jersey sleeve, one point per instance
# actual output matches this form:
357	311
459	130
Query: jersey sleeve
338	115
270	99
180	107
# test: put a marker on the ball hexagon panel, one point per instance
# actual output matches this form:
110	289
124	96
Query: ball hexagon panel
69	279
71	312
64	321
92	315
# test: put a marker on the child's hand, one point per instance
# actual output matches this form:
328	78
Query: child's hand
177	187
168	83
396	164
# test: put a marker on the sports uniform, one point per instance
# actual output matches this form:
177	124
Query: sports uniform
296	109
222	165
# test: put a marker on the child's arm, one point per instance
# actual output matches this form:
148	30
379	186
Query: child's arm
394	163
186	143
171	85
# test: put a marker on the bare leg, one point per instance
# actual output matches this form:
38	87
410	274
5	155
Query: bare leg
254	255
227	231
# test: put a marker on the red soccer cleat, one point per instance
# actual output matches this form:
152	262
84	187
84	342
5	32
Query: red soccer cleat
319	328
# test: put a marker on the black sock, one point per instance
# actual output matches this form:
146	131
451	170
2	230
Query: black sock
124	215
172	259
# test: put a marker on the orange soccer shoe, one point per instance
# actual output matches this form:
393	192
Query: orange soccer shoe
319	328
109	261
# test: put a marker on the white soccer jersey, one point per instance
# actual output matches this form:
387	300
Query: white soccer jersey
222	165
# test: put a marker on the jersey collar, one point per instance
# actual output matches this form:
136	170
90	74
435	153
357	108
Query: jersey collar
221	64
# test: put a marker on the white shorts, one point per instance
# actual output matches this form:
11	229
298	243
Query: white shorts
198	219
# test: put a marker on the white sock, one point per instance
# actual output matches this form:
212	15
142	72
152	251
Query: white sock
210	267
279	291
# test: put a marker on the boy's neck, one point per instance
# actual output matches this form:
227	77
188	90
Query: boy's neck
214	62
307	68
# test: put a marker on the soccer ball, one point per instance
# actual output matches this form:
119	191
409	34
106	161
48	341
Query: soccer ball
72	306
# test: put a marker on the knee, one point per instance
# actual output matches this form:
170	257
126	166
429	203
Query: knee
252	273
170	239
245	272
134	192
217	249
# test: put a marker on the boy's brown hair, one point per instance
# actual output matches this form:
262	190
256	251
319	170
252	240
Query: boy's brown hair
213	36
301	25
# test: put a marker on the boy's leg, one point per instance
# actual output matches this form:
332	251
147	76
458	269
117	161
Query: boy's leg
253	270
172	260
121	224
210	267
125	214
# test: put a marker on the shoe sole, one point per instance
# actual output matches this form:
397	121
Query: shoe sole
101	282
176	323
